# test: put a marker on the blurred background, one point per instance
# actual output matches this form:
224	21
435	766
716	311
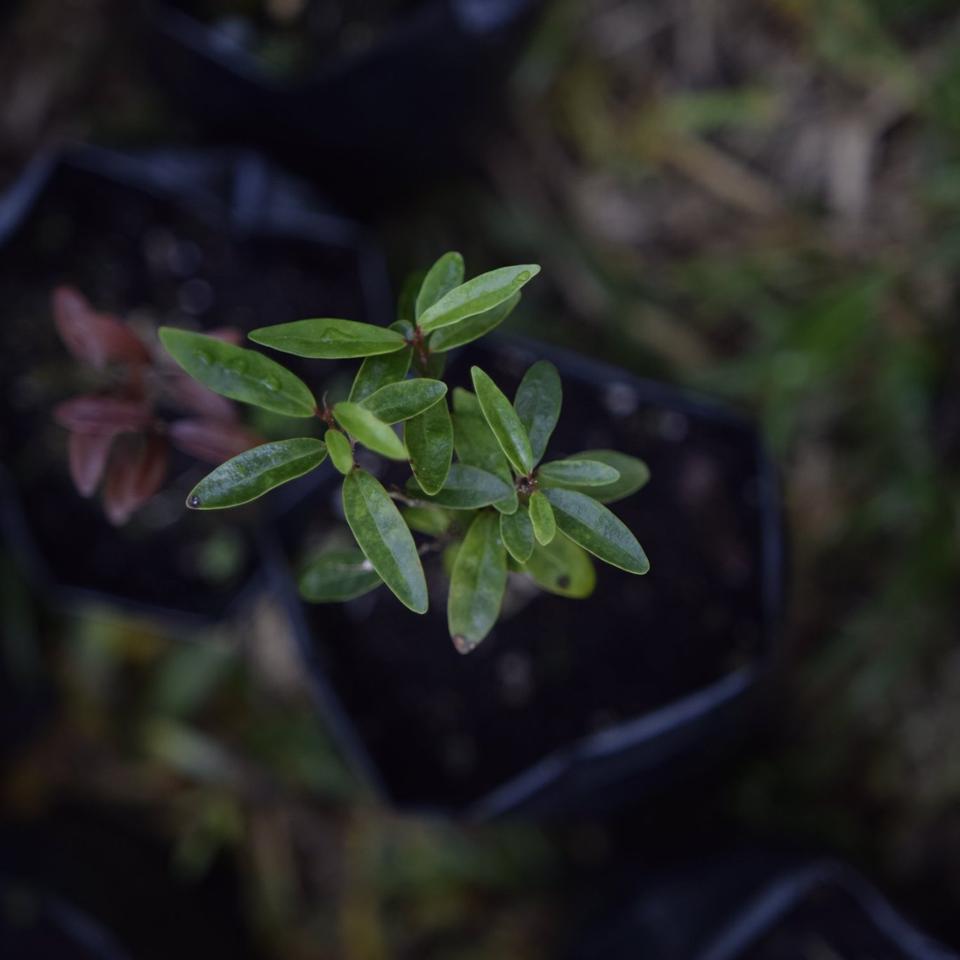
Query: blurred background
757	199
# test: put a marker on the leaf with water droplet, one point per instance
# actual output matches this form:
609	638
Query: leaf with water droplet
537	403
477	582
255	472
336	576
476	296
384	538
239	374
329	338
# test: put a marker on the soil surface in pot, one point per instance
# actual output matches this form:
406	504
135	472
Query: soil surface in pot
444	729
152	261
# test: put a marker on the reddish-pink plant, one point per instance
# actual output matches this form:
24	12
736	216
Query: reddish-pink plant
120	437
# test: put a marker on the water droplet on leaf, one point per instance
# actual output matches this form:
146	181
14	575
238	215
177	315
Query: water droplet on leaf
194	501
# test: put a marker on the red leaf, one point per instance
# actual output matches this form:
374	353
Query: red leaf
92	337
212	441
194	397
88	459
102	415
136	472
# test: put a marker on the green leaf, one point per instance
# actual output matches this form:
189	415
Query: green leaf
436	364
384	538
477	296
537	404
477	583
634	474
577	473
328	338
473	328
341	452
369	430
441	278
429	439
477	446
239	374
516	531
597	530
562	568
503	421
253	473
376	372
407	301
432	521
466	488
338	575
406	399
541	515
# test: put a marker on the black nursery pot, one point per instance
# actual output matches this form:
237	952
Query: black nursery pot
754	904
571	705
369	125
194	239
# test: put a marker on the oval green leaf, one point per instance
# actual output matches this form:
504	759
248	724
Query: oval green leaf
597	530
477	446
369	430
255	472
477	296
405	399
466	488
516	531
340	450
429	440
503	421
477	583
562	568
577	473
384	538
473	328
239	374
376	372
537	403
634	475
432	521
542	518
336	576
441	278
328	338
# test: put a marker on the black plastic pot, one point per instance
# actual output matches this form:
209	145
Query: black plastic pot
570	705
754	905
368	126
209	239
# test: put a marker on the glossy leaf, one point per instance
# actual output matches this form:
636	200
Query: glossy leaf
634	475
240	374
340	450
597	530
329	338
476	446
542	518
405	399
516	531
441	278
252	474
503	421
577	473
335	576
477	583
376	372
211	441
537	403
386	540
562	568
432	521
477	296
429	440
369	430
473	328
466	488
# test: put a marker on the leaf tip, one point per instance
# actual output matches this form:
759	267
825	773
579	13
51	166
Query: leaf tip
464	645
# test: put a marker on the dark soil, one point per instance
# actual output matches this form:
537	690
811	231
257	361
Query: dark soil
153	261
444	729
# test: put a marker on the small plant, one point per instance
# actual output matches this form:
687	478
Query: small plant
120	434
479	490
